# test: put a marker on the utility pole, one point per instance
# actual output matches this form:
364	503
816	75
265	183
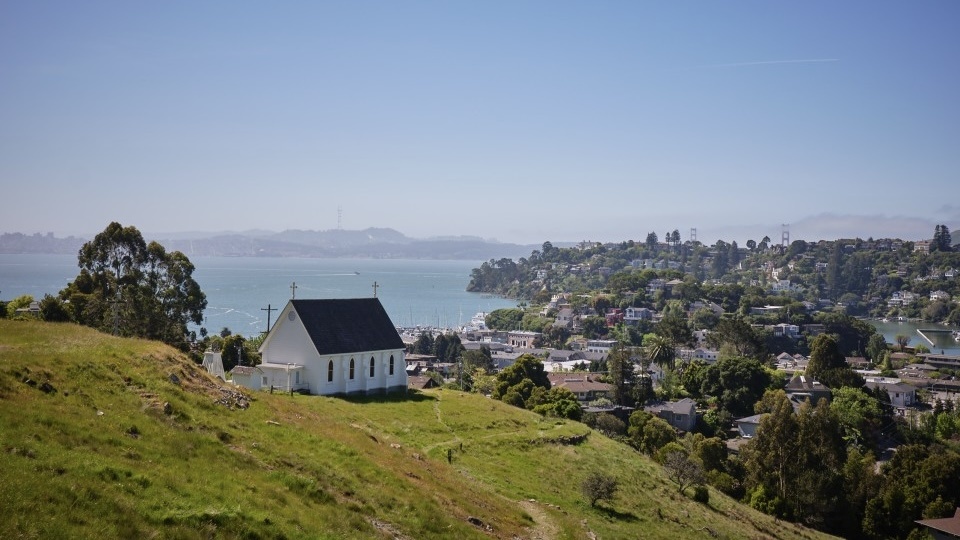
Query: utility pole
268	309
375	287
293	290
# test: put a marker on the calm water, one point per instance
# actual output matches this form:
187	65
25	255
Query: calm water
238	289
942	340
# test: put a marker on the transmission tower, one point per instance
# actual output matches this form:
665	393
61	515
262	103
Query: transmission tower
693	234
785	235
339	217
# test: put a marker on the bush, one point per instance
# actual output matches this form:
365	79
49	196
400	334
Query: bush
598	486
701	494
609	425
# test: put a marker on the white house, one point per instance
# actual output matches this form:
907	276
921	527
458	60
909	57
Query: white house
247	376
901	394
939	295
601	345
334	346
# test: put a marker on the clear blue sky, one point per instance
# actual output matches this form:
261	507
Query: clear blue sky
522	121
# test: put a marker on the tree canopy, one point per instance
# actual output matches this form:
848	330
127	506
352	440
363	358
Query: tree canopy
132	288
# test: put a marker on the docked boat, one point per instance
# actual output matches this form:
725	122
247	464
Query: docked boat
477	323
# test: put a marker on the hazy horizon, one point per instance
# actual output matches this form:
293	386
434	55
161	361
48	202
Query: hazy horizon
910	230
520	122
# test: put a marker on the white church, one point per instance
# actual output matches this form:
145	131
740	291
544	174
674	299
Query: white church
330	347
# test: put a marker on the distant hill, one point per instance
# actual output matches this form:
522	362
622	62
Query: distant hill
106	437
372	243
39	243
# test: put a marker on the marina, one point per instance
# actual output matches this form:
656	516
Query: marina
938	338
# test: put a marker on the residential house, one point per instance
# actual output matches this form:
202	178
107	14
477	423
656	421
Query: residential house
901	394
680	414
814	329
791	331
673	282
901	298
420	382
747	427
564	318
334	346
941	361
766	310
783	285
633	315
655	285
601	345
522	338
613	316
791	363
33	309
801	388
939	295
584	386
700	304
709	356
858	362
943	528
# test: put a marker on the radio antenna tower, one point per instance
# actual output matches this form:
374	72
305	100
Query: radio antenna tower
339	217
785	235
693	234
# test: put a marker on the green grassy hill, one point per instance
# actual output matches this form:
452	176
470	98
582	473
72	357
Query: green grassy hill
108	437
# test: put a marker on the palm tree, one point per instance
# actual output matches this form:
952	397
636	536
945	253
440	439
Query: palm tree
661	351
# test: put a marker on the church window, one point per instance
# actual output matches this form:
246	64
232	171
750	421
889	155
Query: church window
371	367
330	371
351	369
391	364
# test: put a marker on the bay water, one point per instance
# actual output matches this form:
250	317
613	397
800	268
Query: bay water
414	292
240	289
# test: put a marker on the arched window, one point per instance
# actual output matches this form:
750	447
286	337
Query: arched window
351	369
330	371
391	364
371	367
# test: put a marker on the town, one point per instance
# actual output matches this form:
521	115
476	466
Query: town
759	372
714	341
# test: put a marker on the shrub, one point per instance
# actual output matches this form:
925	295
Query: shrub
701	494
598	486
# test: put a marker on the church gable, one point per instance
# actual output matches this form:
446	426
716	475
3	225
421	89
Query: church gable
343	326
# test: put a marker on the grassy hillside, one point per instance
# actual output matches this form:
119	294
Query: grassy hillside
109	437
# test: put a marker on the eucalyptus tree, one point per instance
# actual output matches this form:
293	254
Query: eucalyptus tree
132	288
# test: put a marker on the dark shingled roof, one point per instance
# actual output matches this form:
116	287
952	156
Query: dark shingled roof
348	325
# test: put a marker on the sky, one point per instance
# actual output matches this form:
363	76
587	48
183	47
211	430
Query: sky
520	121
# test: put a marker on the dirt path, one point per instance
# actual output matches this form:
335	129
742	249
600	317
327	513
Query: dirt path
544	527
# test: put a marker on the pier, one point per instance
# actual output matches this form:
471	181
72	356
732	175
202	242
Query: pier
931	331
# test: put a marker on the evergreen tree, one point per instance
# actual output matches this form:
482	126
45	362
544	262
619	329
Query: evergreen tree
833	270
941	239
622	377
651	240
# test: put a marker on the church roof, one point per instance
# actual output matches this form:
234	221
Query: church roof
348	325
